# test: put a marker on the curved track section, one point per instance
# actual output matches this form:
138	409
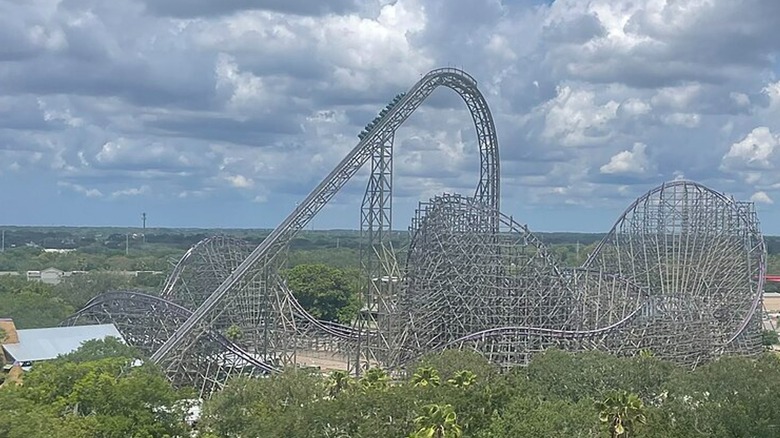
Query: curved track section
258	263
265	337
535	339
680	275
504	291
146	321
202	268
700	255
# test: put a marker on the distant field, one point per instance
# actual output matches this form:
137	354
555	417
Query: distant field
118	248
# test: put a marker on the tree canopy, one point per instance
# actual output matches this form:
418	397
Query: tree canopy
327	292
559	395
97	391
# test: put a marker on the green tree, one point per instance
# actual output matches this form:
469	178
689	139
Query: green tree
105	397
621	411
77	289
425	377
338	382
97	349
326	292
437	421
462	379
531	415
769	338
451	362
288	404
375	378
23	418
31	304
728	397
234	333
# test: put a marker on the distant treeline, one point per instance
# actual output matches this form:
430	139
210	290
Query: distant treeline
183	238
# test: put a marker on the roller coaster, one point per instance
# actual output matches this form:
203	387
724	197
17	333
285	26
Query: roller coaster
680	274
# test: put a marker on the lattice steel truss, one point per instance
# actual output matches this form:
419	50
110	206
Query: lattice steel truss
701	258
680	274
146	321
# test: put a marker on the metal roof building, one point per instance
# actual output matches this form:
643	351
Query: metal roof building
48	343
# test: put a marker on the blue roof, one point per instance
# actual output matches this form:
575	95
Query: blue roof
48	343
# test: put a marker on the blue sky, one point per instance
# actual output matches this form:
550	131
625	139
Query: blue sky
215	113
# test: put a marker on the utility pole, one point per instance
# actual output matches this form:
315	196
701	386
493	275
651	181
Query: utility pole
127	243
2	249
143	220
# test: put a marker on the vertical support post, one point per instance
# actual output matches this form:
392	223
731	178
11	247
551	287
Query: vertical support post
376	216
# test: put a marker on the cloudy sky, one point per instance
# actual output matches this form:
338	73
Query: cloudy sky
225	113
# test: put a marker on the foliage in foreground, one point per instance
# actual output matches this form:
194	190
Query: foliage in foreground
97	391
560	394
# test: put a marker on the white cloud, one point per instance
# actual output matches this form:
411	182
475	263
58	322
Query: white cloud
688	120
676	98
52	39
240	181
656	42
244	90
741	99
356	52
761	198
133	154
772	91
633	162
575	119
78	188
234	100
635	107
133	191
755	151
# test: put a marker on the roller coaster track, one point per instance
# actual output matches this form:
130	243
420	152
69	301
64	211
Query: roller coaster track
680	274
262	256
337	330
506	284
742	210
96	304
175	275
540	331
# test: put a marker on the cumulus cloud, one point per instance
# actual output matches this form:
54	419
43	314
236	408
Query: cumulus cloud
755	151
201	8
761	198
772	91
687	120
198	103
654	43
240	181
574	118
78	188
633	162
635	107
